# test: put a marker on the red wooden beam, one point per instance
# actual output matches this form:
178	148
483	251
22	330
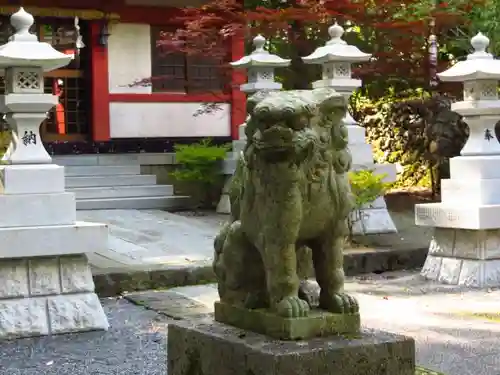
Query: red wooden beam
170	98
238	77
100	86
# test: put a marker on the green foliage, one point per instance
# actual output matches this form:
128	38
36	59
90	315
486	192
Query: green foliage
5	137
423	371
199	166
366	186
415	130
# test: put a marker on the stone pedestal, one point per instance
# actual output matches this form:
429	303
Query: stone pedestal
465	248
211	348
48	295
464	257
47	285
318	323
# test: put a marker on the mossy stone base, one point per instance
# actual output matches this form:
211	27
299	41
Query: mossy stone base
319	323
205	347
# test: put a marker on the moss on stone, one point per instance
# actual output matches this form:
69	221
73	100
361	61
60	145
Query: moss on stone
318	323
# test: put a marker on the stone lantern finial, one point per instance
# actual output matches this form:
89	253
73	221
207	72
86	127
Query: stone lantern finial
336	32
22	21
259	42
480	43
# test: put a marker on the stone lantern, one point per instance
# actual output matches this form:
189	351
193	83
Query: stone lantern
336	58
45	278
260	66
24	60
465	248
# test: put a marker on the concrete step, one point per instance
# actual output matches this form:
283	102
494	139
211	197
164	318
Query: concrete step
110	181
138	203
122	191
101	170
97	159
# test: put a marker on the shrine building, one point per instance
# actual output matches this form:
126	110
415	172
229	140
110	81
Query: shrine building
101	109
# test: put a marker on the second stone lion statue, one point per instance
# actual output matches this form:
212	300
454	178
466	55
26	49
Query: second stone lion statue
290	193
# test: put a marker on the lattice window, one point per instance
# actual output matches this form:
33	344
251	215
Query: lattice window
469	91
26	80
489	90
267	76
175	71
72	106
252	75
342	70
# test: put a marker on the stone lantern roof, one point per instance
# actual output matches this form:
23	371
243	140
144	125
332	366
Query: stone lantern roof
336	50
260	57
480	65
24	49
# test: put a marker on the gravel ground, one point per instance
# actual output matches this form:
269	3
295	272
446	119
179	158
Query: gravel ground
134	345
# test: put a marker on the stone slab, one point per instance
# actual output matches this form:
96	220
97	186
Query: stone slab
374	221
461	217
48	295
318	324
362	153
475	167
478	192
45	276
40	316
37	209
76	313
204	347
170	303
31	179
466	243
471	273
78	238
356	134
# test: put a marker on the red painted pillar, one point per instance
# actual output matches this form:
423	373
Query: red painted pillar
100	86
238	77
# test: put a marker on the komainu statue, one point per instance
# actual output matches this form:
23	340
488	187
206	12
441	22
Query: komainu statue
289	194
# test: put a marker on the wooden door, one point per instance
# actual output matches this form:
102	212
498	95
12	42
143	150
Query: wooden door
69	120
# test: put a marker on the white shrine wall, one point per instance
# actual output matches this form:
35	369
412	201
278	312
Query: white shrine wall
129	60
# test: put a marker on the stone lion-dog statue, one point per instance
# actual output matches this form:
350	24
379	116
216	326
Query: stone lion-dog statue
289	195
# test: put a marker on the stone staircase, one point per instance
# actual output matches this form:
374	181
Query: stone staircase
115	182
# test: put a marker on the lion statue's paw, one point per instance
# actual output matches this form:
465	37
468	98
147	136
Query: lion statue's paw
292	307
339	303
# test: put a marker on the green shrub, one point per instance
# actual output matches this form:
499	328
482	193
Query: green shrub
366	186
199	168
5	137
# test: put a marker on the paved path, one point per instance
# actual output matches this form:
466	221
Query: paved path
152	239
449	338
441	319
